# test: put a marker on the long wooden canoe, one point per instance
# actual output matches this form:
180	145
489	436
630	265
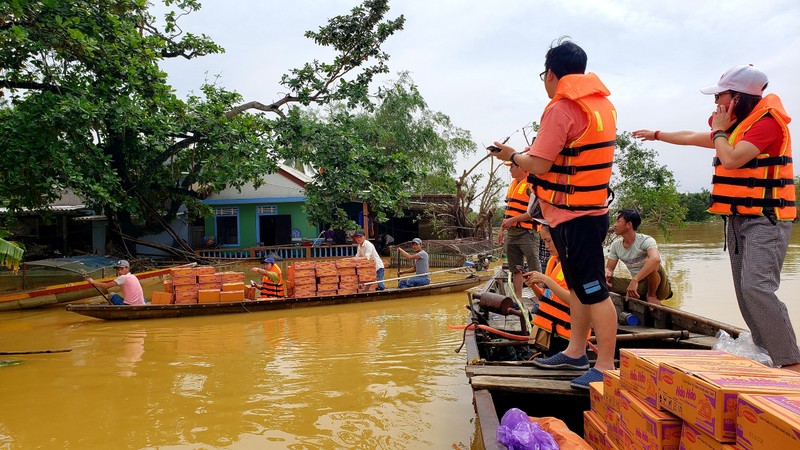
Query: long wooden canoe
149	311
500	383
63	293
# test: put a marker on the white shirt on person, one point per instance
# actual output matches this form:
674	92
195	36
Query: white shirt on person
367	250
635	256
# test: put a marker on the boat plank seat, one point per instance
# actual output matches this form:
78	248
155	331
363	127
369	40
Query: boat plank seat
527	385
520	371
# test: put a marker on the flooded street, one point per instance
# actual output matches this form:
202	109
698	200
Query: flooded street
372	375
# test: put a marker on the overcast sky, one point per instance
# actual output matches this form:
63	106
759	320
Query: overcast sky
479	61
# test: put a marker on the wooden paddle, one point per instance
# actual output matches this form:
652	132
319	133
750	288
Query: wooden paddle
85	276
465	269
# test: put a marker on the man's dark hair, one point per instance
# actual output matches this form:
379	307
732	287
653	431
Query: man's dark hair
630	216
565	58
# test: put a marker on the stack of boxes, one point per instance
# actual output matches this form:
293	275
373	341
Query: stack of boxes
666	399
325	278
201	285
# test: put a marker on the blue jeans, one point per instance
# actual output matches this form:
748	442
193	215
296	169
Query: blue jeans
117	299
379	274
414	282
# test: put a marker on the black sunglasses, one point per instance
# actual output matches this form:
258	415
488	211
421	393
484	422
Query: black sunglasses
541	75
717	96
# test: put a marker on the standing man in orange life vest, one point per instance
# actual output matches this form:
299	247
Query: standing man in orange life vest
522	240
570	168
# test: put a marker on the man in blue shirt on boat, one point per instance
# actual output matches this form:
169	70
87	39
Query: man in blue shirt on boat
421	266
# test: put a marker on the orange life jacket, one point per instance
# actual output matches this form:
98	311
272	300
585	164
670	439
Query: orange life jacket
519	194
270	289
765	182
553	313
579	177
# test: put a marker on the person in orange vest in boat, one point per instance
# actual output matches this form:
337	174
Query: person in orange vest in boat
272	280
522	240
570	165
130	285
753	190
551	321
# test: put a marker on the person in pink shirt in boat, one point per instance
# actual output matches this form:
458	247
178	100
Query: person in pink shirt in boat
130	285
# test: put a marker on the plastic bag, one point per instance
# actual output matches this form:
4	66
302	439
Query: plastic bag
517	432
742	346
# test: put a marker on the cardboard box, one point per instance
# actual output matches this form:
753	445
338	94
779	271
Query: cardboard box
638	368
611	387
184	279
768	422
209	278
305	265
168	286
647	427
232	277
326	269
328	279
205	270
594	431
183	288
233	286
367	277
343	291
346	271
346	263
305	291
326	293
707	400
364	263
161	298
694	439
596	400
250	293
185	297
614	430
231	296
207	286
208	296
305	277
183	272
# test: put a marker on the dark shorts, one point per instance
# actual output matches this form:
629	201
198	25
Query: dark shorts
580	247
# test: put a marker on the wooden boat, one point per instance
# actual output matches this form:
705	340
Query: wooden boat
63	293
149	311
500	383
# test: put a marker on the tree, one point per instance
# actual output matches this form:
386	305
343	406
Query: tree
644	185
85	106
696	205
380	155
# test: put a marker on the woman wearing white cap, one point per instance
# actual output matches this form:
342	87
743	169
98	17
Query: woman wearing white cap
753	189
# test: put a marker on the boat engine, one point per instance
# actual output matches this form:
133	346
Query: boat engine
503	305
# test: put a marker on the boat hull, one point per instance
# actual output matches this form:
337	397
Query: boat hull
149	311
63	293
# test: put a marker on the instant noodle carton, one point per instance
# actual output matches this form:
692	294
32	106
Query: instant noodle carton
233	286
328	279
305	277
208	296
614	431
231	296
205	270
594	430
768	421
638	368
707	400
611	386
305	265
161	298
645	427
596	399
326	269
694	439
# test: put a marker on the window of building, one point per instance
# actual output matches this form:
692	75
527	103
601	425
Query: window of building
227	225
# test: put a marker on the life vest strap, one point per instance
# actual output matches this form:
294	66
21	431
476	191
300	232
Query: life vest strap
752	182
575	151
554	320
760	162
750	202
557	305
572	170
567	188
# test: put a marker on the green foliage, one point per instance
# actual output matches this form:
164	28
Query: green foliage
644	185
10	252
381	155
86	107
696	205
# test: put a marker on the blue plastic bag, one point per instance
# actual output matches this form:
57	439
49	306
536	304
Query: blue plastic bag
517	432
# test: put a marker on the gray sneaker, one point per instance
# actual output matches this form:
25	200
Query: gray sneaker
562	361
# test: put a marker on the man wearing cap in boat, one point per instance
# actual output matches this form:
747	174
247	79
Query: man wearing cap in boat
367	250
130	285
639	252
522	239
421	266
271	280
